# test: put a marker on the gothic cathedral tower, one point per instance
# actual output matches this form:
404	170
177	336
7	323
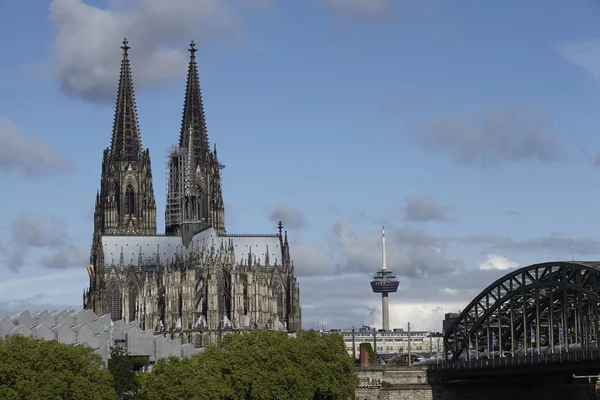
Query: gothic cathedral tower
194	198
125	204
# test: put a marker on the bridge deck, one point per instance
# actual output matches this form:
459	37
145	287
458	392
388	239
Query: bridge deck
515	369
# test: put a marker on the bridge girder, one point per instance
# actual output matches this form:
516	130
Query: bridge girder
546	298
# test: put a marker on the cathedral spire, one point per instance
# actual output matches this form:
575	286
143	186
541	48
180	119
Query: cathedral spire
126	142
193	111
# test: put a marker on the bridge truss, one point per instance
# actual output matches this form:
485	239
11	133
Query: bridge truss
549	307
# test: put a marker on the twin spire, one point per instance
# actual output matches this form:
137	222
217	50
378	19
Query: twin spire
193	114
126	141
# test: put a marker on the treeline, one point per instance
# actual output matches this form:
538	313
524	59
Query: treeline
257	365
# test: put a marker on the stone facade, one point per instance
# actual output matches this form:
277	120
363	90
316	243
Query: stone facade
393	383
196	281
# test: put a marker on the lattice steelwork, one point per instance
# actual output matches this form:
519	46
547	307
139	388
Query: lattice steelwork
176	166
550	305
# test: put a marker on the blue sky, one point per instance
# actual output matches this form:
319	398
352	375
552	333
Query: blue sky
468	128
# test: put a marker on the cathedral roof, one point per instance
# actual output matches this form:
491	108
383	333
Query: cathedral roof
166	247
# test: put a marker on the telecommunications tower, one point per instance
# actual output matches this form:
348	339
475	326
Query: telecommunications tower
384	282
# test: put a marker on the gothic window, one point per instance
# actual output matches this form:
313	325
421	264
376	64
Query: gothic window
129	200
133	295
280	304
113	300
117	196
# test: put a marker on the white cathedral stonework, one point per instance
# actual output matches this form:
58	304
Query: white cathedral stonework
196	282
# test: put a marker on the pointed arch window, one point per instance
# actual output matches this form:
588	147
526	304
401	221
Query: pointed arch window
113	300
280	304
129	200
133	295
117	196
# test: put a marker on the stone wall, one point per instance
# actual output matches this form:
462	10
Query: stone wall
393	383
411	383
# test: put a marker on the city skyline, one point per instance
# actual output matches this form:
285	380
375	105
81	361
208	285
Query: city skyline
470	132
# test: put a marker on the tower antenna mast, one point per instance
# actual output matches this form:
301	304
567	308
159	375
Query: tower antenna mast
384	282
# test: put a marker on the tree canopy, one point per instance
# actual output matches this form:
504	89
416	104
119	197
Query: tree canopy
258	365
33	368
125	372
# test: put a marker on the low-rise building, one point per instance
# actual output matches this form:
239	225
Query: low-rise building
395	341
100	333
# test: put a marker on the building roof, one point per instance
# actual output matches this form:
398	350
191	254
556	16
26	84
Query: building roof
100	333
166	247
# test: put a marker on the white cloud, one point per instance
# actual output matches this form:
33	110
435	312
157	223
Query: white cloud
28	155
358	8
410	252
86	44
34	283
310	260
346	300
495	261
424	208
584	54
35	290
498	137
422	316
29	231
290	216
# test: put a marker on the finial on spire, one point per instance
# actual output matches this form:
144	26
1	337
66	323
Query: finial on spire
193	49
125	46
280	227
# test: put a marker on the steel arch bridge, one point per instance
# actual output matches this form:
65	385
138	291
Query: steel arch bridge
543	308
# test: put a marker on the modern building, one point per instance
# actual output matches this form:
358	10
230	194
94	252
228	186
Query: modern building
194	281
449	319
100	333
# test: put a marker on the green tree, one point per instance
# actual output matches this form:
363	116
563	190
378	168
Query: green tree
123	368
33	368
258	365
331	369
195	378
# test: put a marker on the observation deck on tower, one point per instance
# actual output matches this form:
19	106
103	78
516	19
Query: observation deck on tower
384	281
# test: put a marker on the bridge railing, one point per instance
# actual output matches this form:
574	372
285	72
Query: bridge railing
535	359
387	368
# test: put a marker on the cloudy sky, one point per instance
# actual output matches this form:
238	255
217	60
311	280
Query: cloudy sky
469	128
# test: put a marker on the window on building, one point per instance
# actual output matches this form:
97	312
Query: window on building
113	300
133	295
129	200
280	304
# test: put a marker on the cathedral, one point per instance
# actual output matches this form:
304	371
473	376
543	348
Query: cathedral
195	281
